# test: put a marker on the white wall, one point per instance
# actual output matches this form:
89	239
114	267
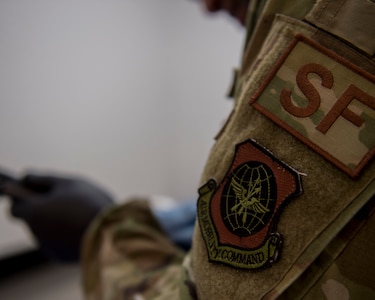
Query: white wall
129	93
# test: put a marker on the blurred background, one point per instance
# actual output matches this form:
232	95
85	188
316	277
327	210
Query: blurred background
128	93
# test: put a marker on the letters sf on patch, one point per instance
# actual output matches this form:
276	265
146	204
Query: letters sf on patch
325	101
238	217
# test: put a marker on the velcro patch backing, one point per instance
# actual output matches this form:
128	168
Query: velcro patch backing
323	100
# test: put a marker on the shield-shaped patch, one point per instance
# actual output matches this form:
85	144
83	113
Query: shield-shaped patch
238	217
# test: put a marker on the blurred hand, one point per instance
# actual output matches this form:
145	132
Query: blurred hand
57	210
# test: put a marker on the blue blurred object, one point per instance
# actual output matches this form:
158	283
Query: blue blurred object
178	222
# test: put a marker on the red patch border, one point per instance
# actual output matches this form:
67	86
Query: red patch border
301	38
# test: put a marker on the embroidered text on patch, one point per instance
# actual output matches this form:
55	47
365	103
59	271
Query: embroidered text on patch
238	217
323	100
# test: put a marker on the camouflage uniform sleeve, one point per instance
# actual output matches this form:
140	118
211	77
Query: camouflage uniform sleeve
343	270
126	255
325	252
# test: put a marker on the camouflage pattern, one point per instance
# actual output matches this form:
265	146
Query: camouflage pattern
329	230
126	255
326	251
315	218
341	271
355	141
338	17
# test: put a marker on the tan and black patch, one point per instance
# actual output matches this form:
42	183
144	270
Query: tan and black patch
238	217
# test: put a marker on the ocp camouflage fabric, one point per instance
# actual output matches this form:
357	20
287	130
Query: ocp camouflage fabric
342	270
328	232
126	255
330	199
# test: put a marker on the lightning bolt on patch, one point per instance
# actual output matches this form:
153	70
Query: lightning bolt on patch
238	217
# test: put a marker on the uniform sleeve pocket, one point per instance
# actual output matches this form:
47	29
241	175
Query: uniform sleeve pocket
319	89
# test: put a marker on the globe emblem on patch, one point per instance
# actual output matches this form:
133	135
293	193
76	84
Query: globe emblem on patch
249	198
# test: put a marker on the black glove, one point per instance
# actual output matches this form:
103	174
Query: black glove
57	210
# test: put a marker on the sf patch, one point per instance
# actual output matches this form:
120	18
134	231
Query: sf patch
238	217
323	100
